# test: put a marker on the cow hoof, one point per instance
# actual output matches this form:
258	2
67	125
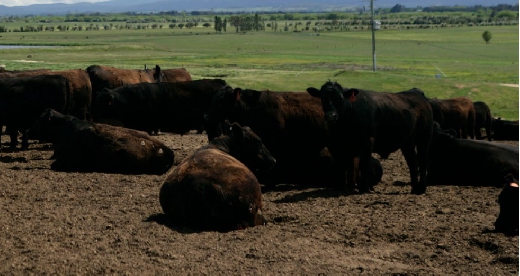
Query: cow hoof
347	190
418	190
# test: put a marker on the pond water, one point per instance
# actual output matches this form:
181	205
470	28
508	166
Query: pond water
5	47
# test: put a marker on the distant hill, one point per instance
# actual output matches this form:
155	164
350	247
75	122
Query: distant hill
114	6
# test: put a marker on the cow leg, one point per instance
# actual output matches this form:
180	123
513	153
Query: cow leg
25	140
343	172
350	176
422	158
13	134
488	130
366	173
411	160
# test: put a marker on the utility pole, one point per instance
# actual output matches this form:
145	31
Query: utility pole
373	36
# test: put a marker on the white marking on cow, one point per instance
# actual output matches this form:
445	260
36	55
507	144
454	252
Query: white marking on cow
160	151
143	143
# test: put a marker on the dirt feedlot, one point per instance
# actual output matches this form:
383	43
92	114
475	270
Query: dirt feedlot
93	223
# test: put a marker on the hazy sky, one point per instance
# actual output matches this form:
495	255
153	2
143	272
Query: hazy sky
11	3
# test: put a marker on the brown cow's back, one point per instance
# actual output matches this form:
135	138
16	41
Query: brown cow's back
457	114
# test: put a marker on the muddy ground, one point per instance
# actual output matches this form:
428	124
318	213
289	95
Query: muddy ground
93	223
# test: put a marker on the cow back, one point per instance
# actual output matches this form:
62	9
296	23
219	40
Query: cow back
175	75
79	85
175	107
388	118
457	114
288	122
24	99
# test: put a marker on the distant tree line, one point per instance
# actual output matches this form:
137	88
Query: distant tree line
398	16
497	8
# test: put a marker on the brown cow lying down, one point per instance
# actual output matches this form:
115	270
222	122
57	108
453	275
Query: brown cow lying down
507	221
214	188
469	162
86	146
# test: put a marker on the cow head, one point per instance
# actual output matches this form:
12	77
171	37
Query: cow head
507	221
247	147
46	126
221	104
332	97
104	105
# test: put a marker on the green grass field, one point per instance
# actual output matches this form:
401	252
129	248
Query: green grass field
466	65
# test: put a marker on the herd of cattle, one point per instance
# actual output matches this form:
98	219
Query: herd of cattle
101	119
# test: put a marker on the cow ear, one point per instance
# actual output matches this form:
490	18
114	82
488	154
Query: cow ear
314	92
351	94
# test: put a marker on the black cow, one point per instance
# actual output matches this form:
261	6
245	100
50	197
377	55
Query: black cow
290	125
361	122
214	188
469	162
505	129
171	107
24	99
507	221
85	146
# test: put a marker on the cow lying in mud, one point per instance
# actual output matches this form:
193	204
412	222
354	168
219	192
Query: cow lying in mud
505	129
361	122
456	161
89	147
214	188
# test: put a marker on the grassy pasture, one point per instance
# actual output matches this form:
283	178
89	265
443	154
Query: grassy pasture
296	60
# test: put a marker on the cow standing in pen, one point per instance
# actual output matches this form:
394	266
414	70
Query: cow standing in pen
361	122
79	86
111	77
457	114
291	126
171	107
483	119
24	99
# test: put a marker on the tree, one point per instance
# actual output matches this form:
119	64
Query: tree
397	8
486	35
